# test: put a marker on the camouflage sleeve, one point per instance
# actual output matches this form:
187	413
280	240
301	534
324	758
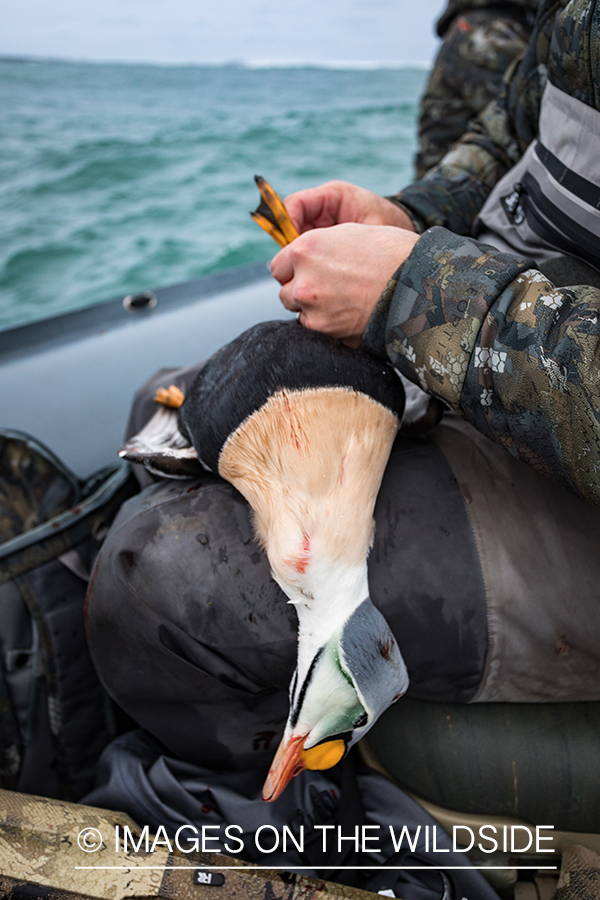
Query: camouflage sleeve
494	339
452	193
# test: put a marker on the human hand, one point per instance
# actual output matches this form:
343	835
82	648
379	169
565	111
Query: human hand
333	277
337	202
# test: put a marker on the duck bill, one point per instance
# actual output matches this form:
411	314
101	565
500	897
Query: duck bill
288	762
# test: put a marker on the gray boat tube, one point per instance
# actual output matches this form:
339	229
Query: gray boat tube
69	380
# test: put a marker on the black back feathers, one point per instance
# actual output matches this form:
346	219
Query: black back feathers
264	360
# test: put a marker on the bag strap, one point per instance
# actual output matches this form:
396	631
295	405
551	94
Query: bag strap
51	682
10	741
348	816
60	534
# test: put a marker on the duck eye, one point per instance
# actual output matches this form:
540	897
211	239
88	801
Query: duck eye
362	720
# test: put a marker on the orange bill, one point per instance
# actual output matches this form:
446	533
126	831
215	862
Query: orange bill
291	758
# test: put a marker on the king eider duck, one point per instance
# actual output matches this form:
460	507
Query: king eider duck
302	426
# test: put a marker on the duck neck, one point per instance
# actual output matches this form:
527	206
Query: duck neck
310	464
330	593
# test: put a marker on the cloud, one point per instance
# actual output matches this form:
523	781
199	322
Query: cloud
229	30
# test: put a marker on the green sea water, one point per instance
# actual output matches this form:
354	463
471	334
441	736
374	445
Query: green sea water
119	178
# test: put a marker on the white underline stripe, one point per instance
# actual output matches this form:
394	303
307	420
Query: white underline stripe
332	868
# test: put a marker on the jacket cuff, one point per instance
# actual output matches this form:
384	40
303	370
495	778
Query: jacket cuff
430	320
374	336
418	223
423	204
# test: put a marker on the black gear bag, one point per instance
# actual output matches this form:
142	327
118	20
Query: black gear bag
55	717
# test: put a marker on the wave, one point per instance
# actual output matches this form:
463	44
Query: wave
117	178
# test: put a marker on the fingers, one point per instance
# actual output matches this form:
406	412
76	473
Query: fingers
338	202
316	207
334	276
305	209
282	265
295	205
286	295
282	269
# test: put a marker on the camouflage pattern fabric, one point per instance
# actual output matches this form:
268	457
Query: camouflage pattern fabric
34	486
486	331
43	855
579	874
455	8
494	339
479	44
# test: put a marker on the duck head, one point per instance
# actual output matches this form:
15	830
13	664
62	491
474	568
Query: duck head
337	695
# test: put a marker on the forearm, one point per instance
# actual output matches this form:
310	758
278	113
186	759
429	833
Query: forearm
489	335
452	194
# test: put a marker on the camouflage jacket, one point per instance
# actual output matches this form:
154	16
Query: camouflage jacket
561	47
485	331
480	41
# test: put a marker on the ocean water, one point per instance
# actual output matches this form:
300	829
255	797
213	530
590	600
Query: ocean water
119	178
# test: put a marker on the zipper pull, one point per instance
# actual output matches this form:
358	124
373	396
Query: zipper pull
512	204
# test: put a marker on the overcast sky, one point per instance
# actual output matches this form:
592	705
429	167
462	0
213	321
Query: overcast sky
388	31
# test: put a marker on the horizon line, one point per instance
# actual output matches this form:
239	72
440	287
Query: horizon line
334	64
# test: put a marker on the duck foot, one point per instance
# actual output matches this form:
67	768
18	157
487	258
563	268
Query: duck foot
172	397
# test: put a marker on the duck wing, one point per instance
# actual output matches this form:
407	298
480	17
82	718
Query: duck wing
162	448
